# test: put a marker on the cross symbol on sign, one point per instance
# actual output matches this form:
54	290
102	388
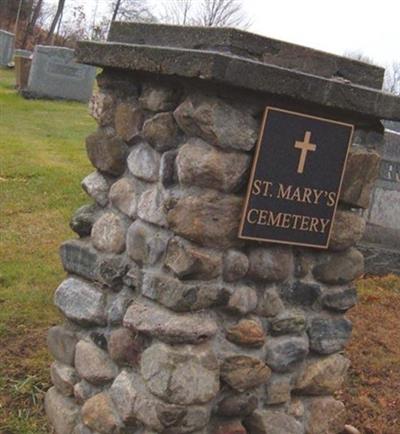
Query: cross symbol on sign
305	146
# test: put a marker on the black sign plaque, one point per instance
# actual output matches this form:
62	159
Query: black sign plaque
295	180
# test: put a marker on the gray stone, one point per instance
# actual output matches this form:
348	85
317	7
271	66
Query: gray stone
270	263
84	390
247	332
272	422
242	73
151	206
79	257
100	415
347	230
161	131
329	335
217	122
200	164
134	403
94	364
324	415
175	328
339	268
111	270
188	261
254	47
243	300
180	296
128	120
64	378
238	404
102	108
61	411
185	375
270	304
109	232
96	186
118	306
83	219
339	298
158	98
125	346
144	162
236	265
380	260
278	389
210	219
362	169
283	353
168	176
301	293
107	152
290	321
82	429
323	376
6	47
124	195
244	372
61	343
55	74
133	277
146	244
81	302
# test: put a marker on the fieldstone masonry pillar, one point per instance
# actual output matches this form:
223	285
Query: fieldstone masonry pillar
172	323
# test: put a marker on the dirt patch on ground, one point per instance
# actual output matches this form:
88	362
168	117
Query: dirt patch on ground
372	391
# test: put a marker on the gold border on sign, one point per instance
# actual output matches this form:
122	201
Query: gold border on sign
253	169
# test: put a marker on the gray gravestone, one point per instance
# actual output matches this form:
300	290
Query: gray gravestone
55	74
6	47
381	242
23	53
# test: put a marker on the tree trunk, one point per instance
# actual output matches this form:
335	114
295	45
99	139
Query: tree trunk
116	9
60	8
32	22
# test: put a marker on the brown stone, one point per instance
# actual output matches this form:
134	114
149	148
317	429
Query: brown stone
278	389
273	422
324	415
247	332
210	219
362	169
128	120
151	206
64	378
217	122
244	372
102	108
237	404
188	261
124	195
231	427
100	415
348	229
270	263
201	164
340	267
270	303
322	376
161	131
125	346
107	152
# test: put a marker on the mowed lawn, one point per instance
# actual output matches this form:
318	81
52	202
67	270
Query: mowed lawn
42	161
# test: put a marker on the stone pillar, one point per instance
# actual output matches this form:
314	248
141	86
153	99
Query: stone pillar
172	323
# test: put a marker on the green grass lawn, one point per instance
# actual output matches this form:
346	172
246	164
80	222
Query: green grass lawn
42	160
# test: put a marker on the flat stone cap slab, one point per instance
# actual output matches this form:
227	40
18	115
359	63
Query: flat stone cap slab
241	71
250	46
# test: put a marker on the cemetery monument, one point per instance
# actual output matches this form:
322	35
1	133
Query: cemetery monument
208	288
6	47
